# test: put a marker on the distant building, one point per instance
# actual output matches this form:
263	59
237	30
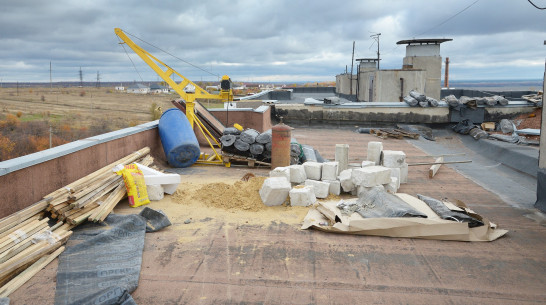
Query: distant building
119	88
138	89
421	71
157	88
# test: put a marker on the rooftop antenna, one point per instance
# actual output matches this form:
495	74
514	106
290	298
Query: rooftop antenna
376	38
352	61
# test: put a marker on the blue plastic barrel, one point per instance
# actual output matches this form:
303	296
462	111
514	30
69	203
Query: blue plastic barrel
178	139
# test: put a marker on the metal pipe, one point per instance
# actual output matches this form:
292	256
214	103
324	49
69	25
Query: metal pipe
446	77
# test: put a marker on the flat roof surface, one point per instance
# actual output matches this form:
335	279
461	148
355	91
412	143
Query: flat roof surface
242	257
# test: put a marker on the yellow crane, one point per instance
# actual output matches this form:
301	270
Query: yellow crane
166	72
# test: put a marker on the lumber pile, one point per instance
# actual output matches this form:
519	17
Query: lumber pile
33	237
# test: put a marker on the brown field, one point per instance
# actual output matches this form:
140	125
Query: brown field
86	105
34	119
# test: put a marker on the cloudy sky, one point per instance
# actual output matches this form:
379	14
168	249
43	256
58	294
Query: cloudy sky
277	40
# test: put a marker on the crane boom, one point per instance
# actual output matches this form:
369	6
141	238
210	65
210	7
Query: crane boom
166	72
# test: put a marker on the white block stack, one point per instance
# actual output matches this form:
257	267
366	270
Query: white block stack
321	188
371	176
281	171
367	163
342	157
313	170
329	170
346	180
297	174
335	187
302	196
374	152
274	191
393	158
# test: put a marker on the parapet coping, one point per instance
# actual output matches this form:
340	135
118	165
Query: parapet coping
13	165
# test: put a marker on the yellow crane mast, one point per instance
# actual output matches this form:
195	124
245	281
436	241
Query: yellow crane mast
166	72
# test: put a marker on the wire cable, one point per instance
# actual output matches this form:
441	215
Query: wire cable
187	62
540	8
445	21
134	66
436	26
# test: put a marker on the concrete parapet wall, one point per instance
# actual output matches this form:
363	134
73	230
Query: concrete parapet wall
259	118
298	114
312	89
25	180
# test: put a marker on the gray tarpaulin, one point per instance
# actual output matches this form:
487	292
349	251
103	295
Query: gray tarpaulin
377	203
101	264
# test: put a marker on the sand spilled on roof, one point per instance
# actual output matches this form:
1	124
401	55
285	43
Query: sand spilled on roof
232	202
241	195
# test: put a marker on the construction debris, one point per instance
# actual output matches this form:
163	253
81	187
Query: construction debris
393	133
534	98
418	99
27	241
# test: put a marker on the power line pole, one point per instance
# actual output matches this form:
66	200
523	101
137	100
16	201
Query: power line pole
376	38
81	77
98	79
50	83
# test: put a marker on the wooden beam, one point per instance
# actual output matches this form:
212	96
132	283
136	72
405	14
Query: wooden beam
434	168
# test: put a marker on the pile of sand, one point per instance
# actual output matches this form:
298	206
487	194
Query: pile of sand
242	195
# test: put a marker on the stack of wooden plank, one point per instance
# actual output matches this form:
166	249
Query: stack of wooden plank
30	239
94	196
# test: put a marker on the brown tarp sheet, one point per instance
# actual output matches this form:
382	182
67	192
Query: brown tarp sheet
325	216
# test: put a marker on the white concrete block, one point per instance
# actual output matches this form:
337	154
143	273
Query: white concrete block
313	170
321	188
366	163
281	171
374	152
302	195
274	191
395	173
155	192
329	170
346	180
393	158
342	157
371	176
297	174
392	186
335	187
404	173
169	182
